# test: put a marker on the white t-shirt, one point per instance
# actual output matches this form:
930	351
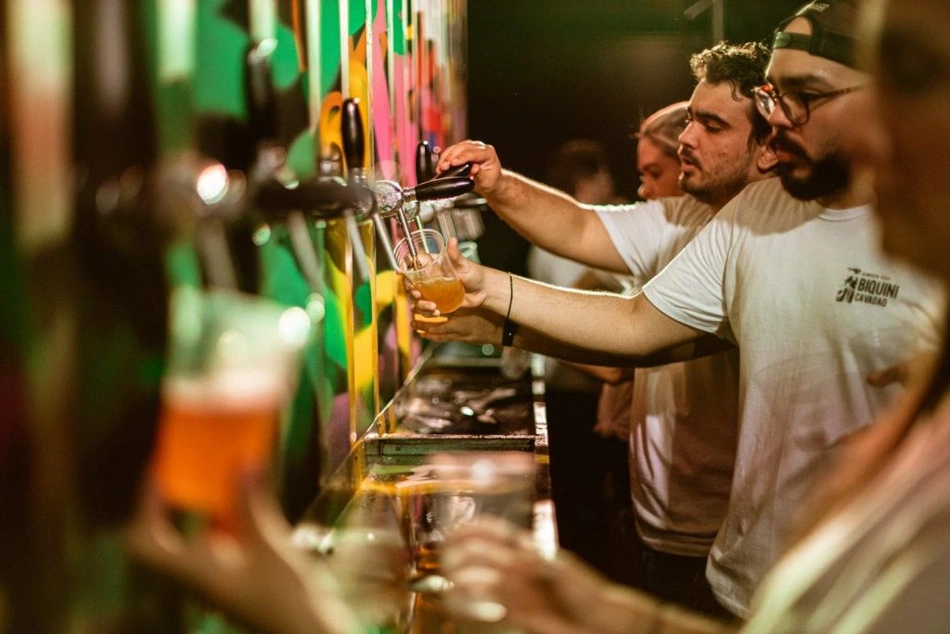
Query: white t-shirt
814	307
684	417
881	564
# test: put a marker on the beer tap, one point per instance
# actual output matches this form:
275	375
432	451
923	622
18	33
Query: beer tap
293	202
393	200
354	153
390	198
323	198
465	215
193	194
270	194
425	171
277	195
425	165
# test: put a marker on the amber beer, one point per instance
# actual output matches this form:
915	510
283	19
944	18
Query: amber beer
447	293
431	509
430	270
428	509
207	442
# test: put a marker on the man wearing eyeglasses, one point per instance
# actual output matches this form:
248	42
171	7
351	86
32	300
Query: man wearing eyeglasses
766	274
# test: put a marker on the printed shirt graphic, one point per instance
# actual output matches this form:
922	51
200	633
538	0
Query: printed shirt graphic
774	275
870	288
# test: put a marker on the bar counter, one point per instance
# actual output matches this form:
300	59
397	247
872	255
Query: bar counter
455	400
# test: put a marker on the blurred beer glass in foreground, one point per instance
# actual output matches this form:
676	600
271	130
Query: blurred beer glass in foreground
454	489
430	270
232	367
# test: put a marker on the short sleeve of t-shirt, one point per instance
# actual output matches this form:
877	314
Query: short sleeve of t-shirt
648	234
636	230
692	287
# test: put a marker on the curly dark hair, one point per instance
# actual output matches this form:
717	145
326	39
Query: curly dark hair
743	66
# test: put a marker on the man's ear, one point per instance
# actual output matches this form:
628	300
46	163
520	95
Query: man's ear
766	160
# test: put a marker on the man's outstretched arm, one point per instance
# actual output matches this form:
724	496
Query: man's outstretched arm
480	326
543	215
629	327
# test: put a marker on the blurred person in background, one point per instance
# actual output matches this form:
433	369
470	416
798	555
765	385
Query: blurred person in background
658	161
658	164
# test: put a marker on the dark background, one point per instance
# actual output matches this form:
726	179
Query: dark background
545	71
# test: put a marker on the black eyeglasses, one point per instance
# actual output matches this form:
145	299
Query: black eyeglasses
795	105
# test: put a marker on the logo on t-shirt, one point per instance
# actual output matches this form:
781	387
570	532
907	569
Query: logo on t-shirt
867	288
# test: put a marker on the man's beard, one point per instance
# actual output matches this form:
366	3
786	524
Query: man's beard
718	189
827	175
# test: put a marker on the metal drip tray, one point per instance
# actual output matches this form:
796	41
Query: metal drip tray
463	405
446	401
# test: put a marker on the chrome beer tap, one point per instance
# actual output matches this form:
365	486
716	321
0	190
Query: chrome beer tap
393	200
194	195
294	202
390	199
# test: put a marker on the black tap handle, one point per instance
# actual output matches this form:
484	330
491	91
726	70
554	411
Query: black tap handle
448	187
351	124
425	168
459	170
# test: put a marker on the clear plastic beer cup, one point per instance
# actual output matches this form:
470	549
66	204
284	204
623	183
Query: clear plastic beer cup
454	489
232	368
430	270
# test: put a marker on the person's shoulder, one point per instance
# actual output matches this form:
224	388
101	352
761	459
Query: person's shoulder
764	201
685	210
767	189
770	192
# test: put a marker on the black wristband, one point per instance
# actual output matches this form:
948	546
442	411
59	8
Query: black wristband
509	327
508	331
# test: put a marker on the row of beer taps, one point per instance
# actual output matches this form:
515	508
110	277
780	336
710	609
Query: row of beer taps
191	196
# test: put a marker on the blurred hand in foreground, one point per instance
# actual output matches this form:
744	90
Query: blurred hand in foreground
255	575
494	558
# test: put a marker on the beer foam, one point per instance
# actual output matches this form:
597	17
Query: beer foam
229	389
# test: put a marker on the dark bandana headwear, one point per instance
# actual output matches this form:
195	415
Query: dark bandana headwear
832	23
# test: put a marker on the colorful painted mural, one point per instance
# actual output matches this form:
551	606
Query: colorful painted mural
229	84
